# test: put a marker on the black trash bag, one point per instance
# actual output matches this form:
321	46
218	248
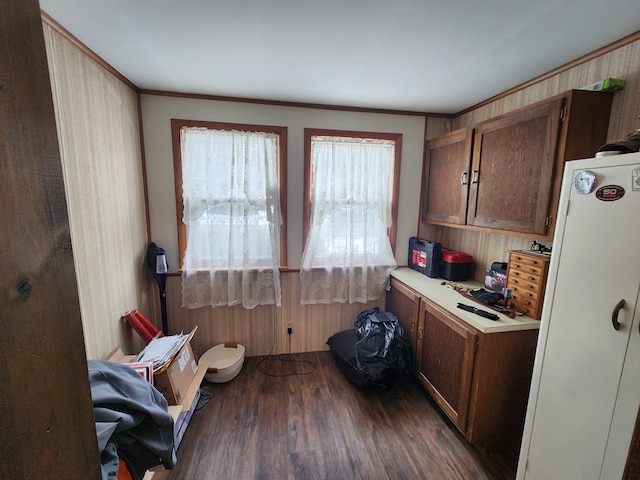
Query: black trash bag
373	353
383	349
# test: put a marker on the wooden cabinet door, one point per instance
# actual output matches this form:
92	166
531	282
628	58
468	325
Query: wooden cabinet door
404	303
445	361
512	171
446	178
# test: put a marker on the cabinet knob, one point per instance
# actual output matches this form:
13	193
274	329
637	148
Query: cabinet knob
463	178
474	178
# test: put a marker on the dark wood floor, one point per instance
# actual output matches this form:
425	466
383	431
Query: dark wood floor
319	426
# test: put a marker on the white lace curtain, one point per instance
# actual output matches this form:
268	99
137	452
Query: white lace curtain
232	216
348	256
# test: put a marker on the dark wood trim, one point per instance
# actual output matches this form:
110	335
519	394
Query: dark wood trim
393	229
86	50
177	124
328	132
306	192
556	71
632	466
310	132
283	146
423	172
281	103
177	176
143	161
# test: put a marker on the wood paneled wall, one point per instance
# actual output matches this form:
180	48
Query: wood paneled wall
623	62
263	330
98	130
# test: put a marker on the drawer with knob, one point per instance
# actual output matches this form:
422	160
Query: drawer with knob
527	278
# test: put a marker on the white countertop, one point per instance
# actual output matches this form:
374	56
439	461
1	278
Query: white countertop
448	299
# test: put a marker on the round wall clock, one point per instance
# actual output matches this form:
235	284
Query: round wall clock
585	182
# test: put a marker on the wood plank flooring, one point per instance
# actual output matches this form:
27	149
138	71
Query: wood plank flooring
320	426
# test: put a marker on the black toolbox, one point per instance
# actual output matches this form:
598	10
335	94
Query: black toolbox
425	256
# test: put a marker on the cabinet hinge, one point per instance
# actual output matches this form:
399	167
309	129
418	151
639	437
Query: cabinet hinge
563	113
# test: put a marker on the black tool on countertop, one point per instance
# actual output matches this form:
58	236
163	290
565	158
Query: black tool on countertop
477	311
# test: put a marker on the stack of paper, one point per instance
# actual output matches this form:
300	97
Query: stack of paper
160	351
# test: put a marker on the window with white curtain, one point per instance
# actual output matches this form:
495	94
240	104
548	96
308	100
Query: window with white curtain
351	192
229	214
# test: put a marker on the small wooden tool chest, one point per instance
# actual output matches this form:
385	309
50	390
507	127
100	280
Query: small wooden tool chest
527	279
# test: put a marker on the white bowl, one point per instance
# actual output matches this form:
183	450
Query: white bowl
224	362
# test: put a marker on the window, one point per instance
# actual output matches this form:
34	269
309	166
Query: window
351	187
230	221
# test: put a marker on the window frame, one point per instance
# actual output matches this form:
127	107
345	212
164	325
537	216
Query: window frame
309	133
281	131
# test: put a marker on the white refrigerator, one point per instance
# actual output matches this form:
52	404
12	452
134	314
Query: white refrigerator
585	391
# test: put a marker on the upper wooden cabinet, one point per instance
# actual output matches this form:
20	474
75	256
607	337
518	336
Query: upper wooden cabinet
512	169
447	160
504	174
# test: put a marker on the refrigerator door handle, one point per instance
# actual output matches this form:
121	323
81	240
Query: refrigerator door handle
614	315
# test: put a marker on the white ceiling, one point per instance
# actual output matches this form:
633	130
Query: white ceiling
438	56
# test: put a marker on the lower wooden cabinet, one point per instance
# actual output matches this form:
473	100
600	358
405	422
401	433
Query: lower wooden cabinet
406	307
445	356
480	380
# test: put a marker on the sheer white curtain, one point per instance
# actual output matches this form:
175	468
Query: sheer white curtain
348	256
232	217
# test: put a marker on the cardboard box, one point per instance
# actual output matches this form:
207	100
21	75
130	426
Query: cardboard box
157	474
116	355
174	380
189	406
181	415
182	422
190	394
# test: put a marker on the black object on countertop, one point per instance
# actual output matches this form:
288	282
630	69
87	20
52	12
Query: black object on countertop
477	311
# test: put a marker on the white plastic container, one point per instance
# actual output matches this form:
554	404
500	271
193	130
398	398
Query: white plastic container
224	362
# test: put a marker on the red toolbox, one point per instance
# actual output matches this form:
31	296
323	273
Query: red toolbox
456	266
